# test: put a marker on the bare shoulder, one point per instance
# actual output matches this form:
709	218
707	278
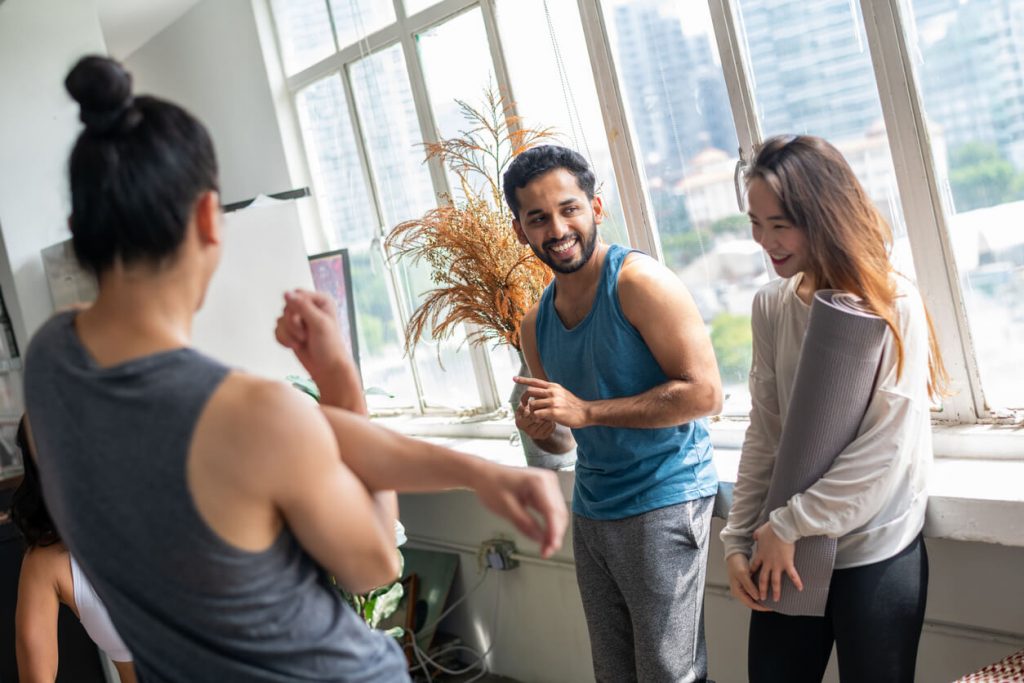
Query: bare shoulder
250	421
257	408
646	286
642	275
48	568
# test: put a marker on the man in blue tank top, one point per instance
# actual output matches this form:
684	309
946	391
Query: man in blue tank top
622	365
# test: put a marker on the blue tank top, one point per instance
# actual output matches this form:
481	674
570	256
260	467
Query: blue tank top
620	472
112	445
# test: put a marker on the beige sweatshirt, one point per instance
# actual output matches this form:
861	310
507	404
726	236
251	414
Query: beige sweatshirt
873	497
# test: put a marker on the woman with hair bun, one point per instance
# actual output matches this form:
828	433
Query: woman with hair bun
207	506
816	223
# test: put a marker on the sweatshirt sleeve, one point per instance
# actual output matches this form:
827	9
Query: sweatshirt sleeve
757	457
863	478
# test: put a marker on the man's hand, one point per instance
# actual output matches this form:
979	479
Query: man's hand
553	403
773	558
308	327
536	428
521	495
741	585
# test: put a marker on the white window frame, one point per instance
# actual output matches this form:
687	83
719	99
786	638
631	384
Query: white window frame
909	142
403	32
917	180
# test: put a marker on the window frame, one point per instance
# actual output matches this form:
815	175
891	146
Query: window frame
403	32
910	146
920	191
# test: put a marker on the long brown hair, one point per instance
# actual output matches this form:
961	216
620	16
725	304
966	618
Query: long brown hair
848	240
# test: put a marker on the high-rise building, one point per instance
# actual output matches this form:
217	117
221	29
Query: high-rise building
676	93
972	71
811	69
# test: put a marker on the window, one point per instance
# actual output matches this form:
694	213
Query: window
676	92
553	87
414	6
812	73
303	31
970	61
350	221
393	139
356	19
363	129
666	98
337	173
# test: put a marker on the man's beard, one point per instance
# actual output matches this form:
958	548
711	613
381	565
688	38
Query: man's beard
587	242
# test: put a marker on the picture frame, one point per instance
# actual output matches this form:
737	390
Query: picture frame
332	275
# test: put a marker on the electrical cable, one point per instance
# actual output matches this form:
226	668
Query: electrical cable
423	659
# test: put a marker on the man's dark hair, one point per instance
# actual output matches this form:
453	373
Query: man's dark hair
537	161
136	170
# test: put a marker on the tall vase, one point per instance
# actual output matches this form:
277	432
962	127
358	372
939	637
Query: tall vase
535	455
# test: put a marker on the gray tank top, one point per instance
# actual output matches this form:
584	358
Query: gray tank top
112	446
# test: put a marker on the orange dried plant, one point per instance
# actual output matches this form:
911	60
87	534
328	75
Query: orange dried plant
482	274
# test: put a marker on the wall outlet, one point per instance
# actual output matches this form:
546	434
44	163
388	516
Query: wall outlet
497	554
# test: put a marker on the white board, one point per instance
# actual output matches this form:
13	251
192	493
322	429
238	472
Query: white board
263	256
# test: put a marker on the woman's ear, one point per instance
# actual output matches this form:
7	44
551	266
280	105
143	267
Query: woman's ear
207	217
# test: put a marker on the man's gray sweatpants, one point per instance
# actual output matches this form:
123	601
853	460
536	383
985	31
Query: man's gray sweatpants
642	584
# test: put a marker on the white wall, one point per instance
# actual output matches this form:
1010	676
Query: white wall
210	62
976	596
40	40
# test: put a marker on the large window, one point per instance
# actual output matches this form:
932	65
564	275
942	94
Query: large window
679	106
668	99
971	75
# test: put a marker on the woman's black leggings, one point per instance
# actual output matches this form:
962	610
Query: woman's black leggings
874	616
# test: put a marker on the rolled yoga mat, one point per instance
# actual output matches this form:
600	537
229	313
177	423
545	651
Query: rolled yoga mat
835	378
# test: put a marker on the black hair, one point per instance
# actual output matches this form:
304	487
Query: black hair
28	510
537	161
136	170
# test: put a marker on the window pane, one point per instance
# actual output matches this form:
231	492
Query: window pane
382	360
387	114
970	75
505	365
457	65
414	6
813	74
350	221
356	19
677	97
333	158
303	31
565	98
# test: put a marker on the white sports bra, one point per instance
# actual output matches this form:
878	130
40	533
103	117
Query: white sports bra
94	617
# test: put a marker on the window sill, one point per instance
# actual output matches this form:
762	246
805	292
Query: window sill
969	499
975	492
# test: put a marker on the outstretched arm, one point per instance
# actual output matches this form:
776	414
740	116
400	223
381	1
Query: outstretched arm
657	304
528	497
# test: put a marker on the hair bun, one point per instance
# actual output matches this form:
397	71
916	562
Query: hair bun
103	90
